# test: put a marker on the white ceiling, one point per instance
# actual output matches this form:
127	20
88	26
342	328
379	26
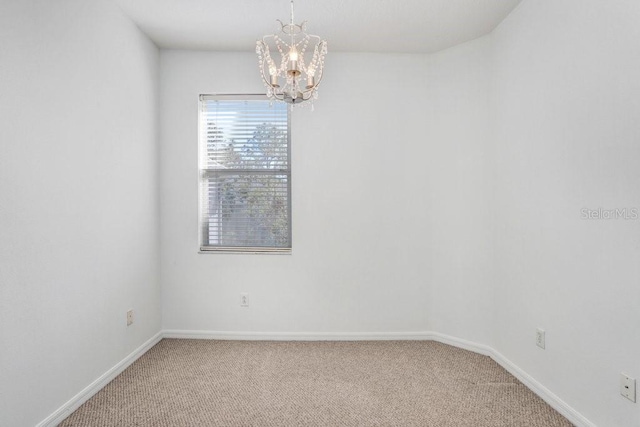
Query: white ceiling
419	26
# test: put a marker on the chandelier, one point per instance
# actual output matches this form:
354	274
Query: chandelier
297	77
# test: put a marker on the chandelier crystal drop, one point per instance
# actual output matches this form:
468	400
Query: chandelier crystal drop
296	77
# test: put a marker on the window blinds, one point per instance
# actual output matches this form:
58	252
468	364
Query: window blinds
245	174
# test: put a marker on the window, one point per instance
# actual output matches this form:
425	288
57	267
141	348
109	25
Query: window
245	174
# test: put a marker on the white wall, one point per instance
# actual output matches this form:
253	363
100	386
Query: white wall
389	197
359	199
567	105
458	192
79	206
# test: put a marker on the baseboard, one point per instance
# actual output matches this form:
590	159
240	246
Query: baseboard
330	336
545	394
463	344
298	336
74	403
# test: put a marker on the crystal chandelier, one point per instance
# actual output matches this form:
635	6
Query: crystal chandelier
297	77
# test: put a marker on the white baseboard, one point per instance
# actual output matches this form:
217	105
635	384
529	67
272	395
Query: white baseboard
74	403
463	344
545	394
297	336
329	336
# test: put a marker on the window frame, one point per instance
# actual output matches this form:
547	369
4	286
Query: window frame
204	249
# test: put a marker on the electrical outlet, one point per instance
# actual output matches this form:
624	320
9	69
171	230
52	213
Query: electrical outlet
540	338
628	387
129	317
244	299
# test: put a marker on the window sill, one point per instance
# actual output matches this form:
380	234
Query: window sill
247	251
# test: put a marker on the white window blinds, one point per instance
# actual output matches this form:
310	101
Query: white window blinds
245	174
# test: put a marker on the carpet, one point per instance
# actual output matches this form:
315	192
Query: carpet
266	383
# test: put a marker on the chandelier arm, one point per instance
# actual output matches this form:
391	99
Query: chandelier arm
264	77
319	78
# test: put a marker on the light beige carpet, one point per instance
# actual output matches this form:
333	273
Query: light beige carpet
375	383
